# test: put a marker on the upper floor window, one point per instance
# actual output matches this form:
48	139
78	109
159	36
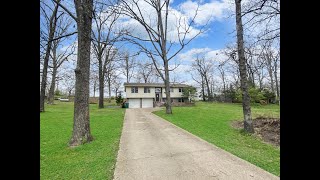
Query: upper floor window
134	89
146	90
180	89
170	90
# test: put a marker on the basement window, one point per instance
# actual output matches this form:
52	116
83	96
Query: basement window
180	100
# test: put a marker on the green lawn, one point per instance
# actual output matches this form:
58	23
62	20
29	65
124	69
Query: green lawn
95	160
211	122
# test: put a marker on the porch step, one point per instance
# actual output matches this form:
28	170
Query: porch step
159	104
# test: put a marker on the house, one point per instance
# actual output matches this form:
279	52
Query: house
148	95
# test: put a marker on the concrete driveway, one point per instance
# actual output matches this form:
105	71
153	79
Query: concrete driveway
152	148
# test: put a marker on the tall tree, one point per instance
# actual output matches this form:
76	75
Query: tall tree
58	58
52	28
157	35
202	84
128	65
222	73
81	125
204	66
248	126
110	70
81	120
104	37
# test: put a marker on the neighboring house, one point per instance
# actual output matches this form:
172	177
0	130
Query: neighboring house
146	95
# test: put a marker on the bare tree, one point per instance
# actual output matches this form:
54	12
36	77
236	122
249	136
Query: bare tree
128	65
116	85
248	126
201	83
95	81
271	58
263	13
68	80
145	71
157	36
52	19
58	58
222	73
204	67
110	71
104	37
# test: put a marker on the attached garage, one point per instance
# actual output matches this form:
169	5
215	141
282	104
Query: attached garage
140	103
134	103
147	103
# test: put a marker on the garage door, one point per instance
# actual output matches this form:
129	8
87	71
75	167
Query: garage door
147	103
134	103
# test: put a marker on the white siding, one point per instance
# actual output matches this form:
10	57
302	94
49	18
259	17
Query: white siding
174	94
140	93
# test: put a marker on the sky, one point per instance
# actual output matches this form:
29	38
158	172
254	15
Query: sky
220	31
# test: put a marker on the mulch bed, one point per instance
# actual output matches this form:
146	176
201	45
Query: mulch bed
267	129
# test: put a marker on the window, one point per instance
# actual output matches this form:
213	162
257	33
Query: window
146	90
180	90
180	100
171	90
134	90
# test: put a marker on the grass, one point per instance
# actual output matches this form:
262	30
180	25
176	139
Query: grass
94	160
211	122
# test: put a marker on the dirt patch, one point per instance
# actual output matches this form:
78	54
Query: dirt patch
267	129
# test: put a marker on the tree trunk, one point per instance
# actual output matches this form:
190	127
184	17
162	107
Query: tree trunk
208	88
167	87
260	77
252	79
248	126
52	86
101	82
94	88
109	89
270	71
223	82
202	84
276	79
127	68
53	22
81	122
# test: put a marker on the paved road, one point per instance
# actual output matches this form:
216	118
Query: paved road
152	148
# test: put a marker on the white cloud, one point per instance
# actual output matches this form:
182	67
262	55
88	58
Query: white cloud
215	55
214	10
180	15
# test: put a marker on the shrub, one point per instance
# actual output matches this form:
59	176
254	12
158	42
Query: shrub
119	99
270	97
58	93
256	95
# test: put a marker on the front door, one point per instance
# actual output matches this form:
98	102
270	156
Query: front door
157	97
